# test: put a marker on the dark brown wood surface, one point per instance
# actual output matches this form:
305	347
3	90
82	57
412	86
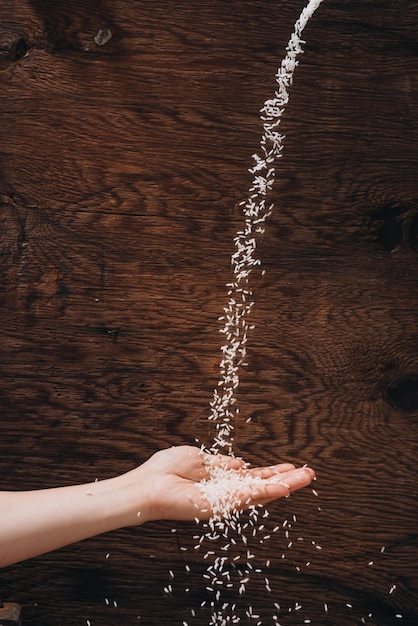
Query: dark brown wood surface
122	167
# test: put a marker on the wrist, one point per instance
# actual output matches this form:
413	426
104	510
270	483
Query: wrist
122	502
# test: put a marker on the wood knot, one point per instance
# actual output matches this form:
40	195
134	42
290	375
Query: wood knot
390	234
13	45
397	225
402	393
413	233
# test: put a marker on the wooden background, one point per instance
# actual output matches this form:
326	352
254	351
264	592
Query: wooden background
122	168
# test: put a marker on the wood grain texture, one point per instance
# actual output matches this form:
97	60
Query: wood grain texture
122	169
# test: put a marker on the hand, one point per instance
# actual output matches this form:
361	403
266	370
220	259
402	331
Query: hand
167	486
173	476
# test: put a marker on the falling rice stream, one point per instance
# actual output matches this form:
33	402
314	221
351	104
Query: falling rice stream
228	543
256	210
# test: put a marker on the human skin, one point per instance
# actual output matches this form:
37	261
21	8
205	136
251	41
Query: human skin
164	487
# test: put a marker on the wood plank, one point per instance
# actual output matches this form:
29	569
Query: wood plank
122	169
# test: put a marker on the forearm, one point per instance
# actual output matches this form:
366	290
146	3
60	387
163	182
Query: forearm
35	522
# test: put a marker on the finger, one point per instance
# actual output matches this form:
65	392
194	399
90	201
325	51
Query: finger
283	467
271	470
295	478
295	475
292	481
283	485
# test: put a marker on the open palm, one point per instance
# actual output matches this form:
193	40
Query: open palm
176	492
